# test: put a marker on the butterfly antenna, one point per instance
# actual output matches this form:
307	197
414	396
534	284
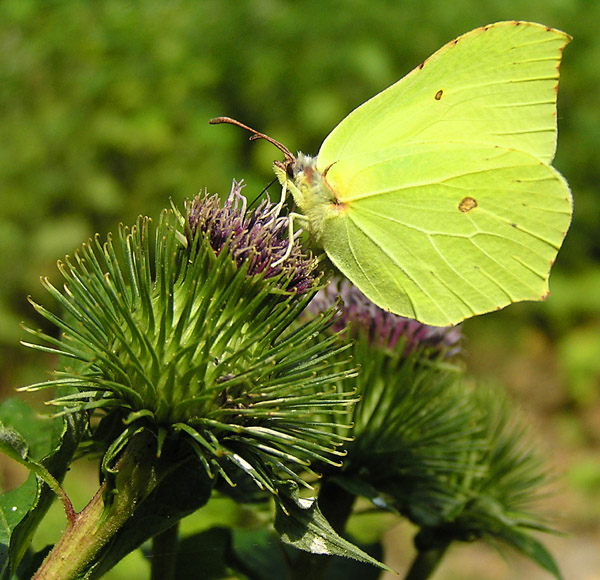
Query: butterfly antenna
289	158
285	166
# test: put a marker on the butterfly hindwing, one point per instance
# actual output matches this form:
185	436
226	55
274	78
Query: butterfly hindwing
478	230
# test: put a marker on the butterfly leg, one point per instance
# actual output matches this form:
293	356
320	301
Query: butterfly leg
276	210
291	217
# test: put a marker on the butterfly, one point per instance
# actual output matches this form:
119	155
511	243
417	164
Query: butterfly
436	197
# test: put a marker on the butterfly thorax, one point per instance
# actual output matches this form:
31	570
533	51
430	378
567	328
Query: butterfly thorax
310	190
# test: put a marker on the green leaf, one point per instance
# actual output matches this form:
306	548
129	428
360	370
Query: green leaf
36	431
346	569
12	444
305	527
259	556
48	442
15	505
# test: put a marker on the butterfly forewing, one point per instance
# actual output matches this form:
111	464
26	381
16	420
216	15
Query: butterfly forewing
495	85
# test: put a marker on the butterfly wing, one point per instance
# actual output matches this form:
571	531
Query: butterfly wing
478	228
448	205
496	85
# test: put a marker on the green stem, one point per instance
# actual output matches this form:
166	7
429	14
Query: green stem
92	529
79	543
425	563
335	504
164	554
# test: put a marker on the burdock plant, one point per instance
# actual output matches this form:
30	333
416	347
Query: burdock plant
183	366
205	355
427	445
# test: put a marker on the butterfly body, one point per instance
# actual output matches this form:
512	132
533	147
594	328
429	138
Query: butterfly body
311	192
436	197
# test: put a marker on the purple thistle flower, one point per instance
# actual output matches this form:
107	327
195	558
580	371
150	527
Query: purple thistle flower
259	238
383	329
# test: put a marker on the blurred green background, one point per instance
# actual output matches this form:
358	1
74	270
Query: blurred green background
104	110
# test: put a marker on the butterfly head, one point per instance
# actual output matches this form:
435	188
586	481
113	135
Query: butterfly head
300	176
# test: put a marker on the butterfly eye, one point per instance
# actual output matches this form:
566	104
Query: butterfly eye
288	167
290	170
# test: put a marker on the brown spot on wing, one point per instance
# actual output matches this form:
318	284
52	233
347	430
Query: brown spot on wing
467	204
438	95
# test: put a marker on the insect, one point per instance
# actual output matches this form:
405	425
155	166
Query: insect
437	197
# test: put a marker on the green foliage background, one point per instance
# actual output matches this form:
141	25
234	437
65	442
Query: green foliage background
104	110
